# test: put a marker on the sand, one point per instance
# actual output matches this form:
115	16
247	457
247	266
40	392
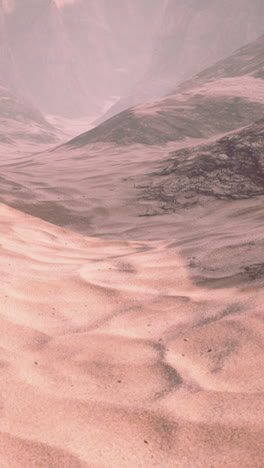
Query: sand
113	354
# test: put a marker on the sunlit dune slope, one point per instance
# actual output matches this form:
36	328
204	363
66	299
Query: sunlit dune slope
113	355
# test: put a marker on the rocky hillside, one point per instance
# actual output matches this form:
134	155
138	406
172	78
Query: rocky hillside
21	122
229	168
193	35
224	97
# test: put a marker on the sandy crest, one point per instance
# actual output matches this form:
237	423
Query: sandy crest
112	357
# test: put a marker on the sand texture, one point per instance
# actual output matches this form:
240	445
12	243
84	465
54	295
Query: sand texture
115	353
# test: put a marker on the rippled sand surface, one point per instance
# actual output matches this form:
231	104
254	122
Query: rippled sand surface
114	354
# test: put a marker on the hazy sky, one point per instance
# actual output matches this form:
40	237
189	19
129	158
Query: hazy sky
9	5
64	2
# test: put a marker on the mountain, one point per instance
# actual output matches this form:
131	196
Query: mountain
22	126
103	34
193	34
224	97
73	58
44	56
246	61
7	67
19	119
76	58
108	181
21	122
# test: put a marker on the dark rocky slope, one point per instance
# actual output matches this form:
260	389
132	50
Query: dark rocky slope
223	98
231	168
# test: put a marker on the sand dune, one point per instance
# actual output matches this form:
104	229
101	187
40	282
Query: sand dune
112	355
141	345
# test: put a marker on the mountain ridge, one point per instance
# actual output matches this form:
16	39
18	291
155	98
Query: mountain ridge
192	36
218	100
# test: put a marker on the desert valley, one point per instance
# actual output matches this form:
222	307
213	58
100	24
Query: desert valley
132	233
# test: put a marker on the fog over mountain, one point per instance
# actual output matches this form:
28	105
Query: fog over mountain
75	58
20	122
7	66
192	35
